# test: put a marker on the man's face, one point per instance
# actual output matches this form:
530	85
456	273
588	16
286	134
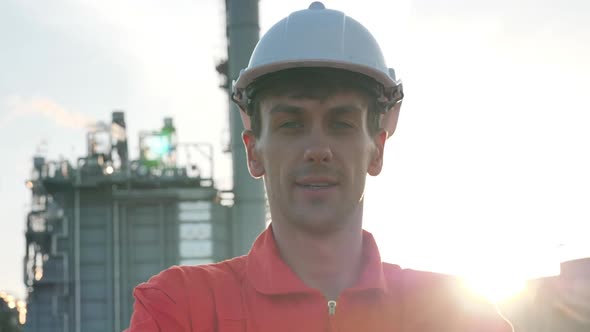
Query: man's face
314	155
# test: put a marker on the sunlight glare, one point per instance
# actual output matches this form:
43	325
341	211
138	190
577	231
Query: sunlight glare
496	288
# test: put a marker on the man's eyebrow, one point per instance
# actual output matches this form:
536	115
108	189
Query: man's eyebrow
345	109
282	108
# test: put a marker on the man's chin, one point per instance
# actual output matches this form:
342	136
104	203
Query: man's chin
318	224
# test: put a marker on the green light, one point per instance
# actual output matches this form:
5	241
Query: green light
156	148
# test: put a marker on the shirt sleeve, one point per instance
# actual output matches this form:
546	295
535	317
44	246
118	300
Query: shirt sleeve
141	320
161	305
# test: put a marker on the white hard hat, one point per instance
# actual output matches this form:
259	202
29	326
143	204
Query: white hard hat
323	38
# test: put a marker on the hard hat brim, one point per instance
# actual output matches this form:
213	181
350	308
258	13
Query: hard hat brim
248	76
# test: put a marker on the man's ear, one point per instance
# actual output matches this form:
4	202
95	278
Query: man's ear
255	165
376	162
389	119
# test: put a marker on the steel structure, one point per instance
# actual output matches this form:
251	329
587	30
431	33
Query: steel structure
99	228
249	214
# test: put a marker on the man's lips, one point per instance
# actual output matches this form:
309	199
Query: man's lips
316	182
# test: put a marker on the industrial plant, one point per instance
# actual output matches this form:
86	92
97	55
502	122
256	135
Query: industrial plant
103	224
100	227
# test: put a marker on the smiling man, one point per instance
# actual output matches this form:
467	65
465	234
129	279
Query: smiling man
318	104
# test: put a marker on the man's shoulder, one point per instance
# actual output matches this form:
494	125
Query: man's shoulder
175	296
416	278
416	284
442	300
177	279
425	286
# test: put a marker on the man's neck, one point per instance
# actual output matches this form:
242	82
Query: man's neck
329	262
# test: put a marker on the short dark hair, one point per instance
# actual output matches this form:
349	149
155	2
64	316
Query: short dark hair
317	83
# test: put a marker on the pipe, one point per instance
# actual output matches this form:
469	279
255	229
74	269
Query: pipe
116	267
77	285
248	212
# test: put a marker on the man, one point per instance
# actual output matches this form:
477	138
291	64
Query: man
318	104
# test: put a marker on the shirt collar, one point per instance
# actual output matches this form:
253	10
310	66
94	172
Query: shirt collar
270	275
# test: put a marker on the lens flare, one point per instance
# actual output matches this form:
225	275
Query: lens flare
496	288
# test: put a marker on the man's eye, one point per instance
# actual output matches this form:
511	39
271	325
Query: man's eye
342	125
291	124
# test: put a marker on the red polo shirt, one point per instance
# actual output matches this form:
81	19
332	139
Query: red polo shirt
260	293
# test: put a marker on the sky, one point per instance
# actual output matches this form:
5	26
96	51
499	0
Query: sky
487	174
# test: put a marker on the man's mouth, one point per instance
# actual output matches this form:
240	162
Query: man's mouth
316	182
316	185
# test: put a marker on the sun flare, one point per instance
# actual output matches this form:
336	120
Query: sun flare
496	288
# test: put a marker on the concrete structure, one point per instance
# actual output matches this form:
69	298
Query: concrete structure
99	228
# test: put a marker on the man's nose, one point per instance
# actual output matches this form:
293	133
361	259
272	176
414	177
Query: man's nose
318	151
